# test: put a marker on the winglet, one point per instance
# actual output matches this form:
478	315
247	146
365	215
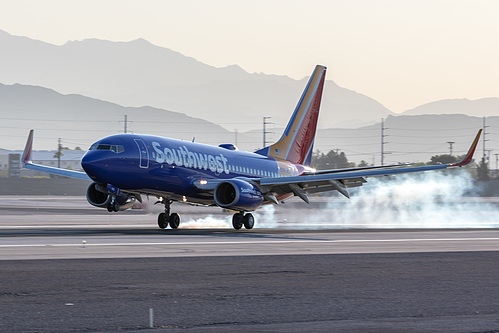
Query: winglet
29	147
471	151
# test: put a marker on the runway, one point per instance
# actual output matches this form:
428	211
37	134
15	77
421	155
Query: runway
118	242
66	267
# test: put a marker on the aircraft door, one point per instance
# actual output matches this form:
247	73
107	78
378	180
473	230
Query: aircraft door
143	153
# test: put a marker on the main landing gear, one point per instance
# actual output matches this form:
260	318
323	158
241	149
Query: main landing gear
166	218
240	219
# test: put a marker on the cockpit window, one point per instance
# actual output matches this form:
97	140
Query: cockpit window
114	148
119	149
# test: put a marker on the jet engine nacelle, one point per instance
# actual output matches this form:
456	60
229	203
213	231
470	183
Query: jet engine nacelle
238	194
98	196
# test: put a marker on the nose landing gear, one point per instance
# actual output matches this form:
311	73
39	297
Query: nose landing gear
113	205
166	218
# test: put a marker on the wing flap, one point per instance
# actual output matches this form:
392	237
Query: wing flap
319	172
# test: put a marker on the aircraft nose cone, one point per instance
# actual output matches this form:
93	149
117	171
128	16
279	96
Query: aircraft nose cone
90	163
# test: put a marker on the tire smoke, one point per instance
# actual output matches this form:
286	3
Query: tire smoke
427	200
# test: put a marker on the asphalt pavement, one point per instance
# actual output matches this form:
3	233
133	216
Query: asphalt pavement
420	292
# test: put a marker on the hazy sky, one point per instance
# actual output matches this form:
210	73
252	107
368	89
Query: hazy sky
401	53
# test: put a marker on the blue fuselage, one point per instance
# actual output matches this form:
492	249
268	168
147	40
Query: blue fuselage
169	167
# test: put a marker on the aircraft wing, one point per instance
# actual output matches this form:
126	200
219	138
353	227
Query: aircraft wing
341	180
309	184
329	180
338	180
28	164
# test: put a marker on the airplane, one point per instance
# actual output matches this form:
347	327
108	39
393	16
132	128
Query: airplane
124	167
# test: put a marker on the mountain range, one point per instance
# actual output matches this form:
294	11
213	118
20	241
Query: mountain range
76	92
79	121
484	107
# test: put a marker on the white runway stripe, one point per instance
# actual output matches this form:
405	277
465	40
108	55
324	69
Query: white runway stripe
408	240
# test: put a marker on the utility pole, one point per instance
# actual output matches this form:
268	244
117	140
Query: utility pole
497	158
265	132
383	141
126	123
450	146
484	139
59	153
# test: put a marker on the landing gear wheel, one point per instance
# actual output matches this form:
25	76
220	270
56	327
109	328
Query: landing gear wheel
237	221
113	206
174	220
116	206
162	221
249	221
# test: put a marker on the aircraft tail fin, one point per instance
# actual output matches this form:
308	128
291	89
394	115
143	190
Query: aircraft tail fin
297	141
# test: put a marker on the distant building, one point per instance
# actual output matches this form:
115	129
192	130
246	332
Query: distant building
71	159
14	165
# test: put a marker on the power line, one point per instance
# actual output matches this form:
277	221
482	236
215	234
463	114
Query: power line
431	130
427	137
